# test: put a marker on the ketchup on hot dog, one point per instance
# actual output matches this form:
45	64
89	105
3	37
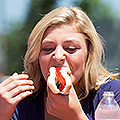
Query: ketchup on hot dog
59	79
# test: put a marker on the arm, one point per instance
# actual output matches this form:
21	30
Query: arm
13	90
65	107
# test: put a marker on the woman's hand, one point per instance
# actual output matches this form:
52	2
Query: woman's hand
65	107
13	90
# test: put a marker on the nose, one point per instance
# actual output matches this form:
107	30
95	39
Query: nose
59	54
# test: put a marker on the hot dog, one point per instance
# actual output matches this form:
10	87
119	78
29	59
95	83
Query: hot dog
59	80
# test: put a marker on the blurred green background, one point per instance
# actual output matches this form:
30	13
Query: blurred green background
15	31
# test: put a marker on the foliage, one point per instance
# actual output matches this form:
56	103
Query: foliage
17	39
96	9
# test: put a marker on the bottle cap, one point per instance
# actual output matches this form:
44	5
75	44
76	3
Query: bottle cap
108	93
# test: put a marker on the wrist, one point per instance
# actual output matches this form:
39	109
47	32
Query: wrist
81	115
4	117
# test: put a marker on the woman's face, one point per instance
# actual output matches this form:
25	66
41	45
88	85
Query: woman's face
62	46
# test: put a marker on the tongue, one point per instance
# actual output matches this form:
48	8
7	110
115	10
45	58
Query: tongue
59	79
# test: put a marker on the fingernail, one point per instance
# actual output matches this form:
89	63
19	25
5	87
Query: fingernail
26	76
31	91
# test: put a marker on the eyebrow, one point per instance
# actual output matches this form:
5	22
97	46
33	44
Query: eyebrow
71	40
66	41
47	41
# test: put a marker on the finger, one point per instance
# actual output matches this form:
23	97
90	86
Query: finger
56	97
15	74
6	80
16	91
21	96
50	93
17	83
14	77
50	98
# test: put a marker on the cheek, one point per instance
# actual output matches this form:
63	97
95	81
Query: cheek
78	67
44	62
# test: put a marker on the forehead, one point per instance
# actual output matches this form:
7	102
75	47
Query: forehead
59	29
64	33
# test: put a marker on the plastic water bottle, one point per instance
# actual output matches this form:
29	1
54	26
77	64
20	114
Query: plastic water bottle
107	109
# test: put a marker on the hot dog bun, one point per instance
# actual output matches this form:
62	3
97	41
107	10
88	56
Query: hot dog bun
59	80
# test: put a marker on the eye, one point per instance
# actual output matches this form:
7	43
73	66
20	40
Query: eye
48	49
71	49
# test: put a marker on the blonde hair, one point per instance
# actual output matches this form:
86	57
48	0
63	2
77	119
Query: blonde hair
94	72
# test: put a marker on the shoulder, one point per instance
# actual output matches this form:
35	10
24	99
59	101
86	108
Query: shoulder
91	102
112	85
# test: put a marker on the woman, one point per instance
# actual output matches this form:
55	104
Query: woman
65	37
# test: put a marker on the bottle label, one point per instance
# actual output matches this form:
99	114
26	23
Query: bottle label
107	114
